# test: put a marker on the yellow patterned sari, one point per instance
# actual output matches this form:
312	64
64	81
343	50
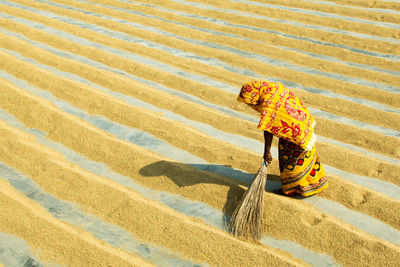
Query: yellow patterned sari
301	171
282	113
285	116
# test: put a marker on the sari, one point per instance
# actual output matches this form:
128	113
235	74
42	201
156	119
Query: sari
286	117
282	113
301	170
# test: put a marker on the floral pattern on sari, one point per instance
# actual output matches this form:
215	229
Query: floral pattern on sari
282	113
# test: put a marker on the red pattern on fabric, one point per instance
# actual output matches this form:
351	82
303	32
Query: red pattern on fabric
282	113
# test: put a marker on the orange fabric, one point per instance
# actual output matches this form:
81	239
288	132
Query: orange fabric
282	113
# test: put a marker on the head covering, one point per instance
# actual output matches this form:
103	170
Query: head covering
250	92
282	113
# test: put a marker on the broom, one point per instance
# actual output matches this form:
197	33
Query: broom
246	220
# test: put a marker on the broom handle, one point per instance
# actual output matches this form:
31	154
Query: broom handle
263	167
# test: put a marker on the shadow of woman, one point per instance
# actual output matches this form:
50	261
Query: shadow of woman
183	174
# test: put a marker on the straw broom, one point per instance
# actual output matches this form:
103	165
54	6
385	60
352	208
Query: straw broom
246	220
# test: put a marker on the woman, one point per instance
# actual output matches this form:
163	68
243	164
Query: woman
285	116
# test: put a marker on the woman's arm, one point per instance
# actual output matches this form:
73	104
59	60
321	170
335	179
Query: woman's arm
267	149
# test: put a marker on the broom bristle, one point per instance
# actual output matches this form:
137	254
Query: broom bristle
247	218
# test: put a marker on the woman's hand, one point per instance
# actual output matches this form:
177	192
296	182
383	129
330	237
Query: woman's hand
267	158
